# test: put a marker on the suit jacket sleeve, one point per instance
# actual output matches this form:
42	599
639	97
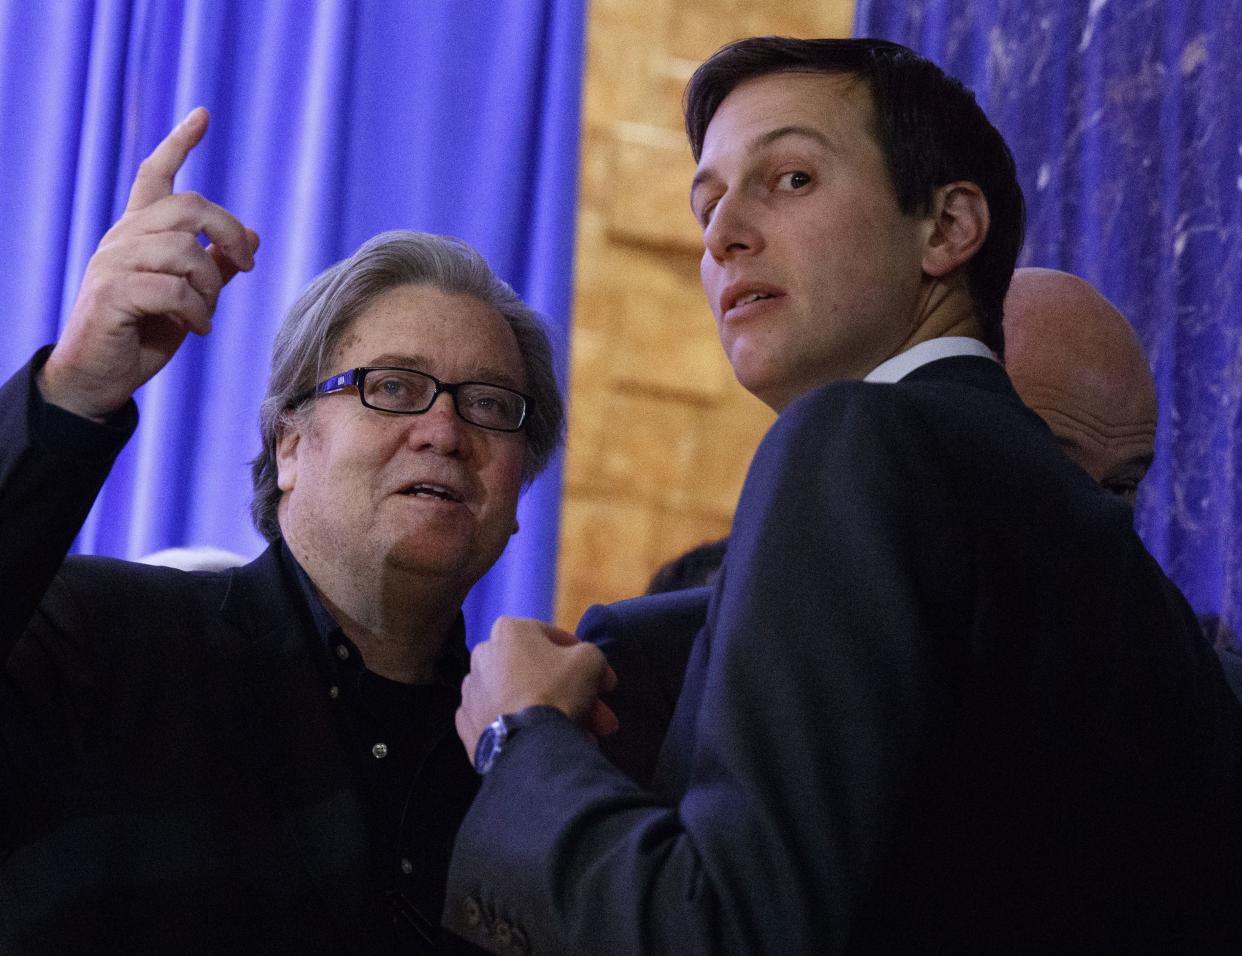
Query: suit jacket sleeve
818	695
52	465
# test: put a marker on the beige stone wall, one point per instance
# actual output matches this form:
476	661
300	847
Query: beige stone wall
660	433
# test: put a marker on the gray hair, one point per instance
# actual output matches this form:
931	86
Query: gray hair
318	319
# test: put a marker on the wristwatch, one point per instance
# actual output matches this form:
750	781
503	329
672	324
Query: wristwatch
496	734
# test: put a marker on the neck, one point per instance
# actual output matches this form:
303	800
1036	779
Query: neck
944	309
401	643
398	620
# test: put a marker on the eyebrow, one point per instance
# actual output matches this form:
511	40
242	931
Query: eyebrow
762	141
488	374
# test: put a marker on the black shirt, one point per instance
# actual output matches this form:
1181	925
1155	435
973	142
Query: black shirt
416	780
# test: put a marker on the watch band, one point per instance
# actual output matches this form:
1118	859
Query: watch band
498	733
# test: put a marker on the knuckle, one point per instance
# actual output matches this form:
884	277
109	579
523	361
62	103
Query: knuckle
186	244
589	653
195	202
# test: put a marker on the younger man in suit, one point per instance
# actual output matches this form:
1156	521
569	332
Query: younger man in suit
1072	358
257	760
944	700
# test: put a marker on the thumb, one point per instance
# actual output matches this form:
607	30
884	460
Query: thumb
224	264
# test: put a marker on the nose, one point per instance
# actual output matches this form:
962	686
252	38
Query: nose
440	428
733	229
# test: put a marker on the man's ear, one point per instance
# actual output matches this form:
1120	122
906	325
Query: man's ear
288	437
959	220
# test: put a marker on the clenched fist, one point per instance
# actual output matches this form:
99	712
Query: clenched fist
525	663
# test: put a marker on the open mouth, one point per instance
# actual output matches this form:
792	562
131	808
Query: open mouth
438	492
740	295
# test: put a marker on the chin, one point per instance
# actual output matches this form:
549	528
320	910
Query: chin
423	551
763	383
462	562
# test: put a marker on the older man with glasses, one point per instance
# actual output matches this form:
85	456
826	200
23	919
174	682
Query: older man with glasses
260	759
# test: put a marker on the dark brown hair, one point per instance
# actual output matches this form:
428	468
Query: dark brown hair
927	124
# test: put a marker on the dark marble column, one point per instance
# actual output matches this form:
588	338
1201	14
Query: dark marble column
1125	117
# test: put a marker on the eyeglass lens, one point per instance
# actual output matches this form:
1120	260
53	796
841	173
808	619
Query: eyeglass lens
407	391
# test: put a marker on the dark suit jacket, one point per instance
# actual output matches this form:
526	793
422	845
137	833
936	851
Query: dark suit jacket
1231	664
944	702
647	641
173	778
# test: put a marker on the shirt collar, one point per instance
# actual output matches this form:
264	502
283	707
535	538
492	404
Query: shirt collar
903	363
451	666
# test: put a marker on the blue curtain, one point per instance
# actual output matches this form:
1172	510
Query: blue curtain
1126	125
331	121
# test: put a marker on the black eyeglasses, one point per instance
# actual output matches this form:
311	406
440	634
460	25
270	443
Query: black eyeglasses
404	391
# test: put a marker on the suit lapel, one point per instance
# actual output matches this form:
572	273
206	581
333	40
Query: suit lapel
298	746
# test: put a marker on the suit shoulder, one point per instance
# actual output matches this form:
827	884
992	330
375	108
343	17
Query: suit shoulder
110	592
856	427
913	396
854	406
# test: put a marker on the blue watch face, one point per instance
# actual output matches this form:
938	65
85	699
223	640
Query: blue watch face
490	743
492	740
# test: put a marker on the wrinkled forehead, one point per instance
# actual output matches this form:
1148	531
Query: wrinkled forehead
453	336
1089	407
1102	379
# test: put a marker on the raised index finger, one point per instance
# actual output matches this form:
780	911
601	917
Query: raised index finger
155	176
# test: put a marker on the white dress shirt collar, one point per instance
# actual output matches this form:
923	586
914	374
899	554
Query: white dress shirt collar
903	363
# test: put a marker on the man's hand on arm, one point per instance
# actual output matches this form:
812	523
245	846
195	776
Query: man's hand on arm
149	283
527	663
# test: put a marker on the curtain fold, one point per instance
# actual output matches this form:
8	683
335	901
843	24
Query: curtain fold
330	122
1124	121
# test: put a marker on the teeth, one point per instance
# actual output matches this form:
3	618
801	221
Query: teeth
752	297
433	491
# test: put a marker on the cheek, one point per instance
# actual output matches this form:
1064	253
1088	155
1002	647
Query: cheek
511	472
504	473
708	275
346	471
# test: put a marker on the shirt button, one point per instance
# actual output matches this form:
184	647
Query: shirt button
379	751
334	692
342	651
406	866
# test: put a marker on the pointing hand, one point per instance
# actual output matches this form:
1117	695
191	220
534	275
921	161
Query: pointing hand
149	283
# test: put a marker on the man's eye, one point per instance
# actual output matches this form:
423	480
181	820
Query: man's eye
392	386
794	180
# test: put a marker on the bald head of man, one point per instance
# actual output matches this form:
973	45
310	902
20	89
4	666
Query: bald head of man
1078	364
